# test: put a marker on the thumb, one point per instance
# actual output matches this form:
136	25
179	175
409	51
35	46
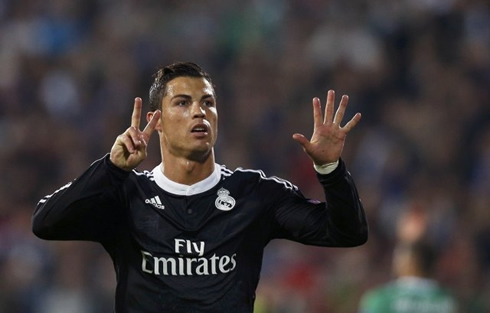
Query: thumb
301	139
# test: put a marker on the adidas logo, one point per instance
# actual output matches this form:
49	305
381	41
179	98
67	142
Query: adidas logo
155	201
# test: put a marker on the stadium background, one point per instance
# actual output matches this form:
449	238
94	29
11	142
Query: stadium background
418	70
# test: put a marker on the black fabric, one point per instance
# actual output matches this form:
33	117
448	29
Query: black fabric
175	253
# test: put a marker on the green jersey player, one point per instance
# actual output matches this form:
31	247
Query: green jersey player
413	290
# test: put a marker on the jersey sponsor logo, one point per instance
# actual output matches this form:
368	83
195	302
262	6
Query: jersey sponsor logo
224	202
155	201
189	261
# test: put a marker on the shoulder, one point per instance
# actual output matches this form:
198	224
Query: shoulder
256	176
447	299
143	175
141	180
379	291
376	299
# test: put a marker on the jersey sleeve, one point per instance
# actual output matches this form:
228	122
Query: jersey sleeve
88	208
340	221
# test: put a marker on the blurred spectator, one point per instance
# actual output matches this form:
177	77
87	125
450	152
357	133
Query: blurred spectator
415	288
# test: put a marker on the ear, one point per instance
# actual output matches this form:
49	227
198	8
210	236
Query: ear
158	126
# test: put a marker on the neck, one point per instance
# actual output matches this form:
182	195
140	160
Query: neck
185	171
410	270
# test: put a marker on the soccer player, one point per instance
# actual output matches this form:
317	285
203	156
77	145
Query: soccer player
189	236
413	290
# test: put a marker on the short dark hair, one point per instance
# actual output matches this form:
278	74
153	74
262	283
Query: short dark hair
170	72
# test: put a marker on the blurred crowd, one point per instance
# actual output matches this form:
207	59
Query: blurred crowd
417	70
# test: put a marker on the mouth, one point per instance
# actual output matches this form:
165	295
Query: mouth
200	129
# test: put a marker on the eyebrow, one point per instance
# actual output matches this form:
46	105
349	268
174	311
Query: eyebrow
187	97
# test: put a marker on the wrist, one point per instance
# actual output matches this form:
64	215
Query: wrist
327	168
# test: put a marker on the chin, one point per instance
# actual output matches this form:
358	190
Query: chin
201	154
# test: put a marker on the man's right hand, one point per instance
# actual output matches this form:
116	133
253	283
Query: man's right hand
129	150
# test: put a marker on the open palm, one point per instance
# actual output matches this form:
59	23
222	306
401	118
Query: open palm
327	142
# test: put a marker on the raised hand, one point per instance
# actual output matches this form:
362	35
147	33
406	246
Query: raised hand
327	142
129	149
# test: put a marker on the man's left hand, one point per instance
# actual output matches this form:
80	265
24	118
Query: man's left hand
327	142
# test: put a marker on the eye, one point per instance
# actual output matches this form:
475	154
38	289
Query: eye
208	103
182	103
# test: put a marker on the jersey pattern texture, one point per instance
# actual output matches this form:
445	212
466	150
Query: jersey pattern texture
198	248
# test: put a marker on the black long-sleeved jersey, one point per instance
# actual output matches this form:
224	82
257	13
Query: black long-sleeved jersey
199	248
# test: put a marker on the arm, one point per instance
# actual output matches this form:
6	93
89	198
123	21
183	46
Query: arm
89	207
341	220
85	209
338	222
345	216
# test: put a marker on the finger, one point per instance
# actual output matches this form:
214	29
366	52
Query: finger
302	140
317	112
329	107
150	127
136	117
339	115
135	136
352	123
126	141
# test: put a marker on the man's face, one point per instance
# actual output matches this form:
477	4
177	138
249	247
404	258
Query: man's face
189	121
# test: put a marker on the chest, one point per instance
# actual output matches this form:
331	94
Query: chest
196	225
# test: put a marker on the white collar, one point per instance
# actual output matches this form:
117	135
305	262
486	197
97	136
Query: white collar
186	190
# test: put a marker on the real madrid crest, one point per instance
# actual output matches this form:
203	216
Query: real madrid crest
224	202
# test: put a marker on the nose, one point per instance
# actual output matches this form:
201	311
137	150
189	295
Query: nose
198	110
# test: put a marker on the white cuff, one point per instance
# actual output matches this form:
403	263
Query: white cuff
326	168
